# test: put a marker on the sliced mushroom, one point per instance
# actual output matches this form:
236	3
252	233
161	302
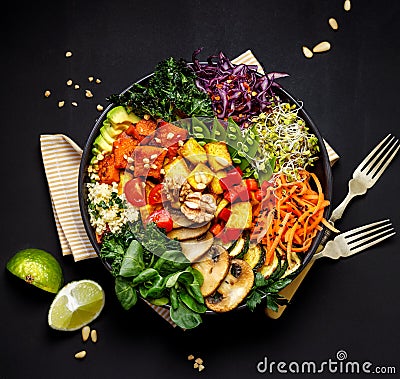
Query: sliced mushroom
233	289
214	267
194	249
182	234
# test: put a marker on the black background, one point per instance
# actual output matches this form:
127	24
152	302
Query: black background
351	93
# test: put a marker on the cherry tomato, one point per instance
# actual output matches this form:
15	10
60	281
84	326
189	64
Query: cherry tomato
155	195
135	192
162	219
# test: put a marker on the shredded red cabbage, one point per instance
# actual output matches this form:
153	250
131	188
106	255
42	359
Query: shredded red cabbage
236	91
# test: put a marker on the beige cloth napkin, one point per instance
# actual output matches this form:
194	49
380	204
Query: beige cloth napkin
61	159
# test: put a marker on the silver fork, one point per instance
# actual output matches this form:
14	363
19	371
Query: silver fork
368	172
356	240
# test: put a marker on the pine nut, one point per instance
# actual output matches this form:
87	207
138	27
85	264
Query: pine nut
69	82
98	81
85	333
347	5
99	107
307	52
90	78
195	365
322	47
199	361
190	357
74	103
68	54
61	104
80	354
47	93
93	335
88	93
201	367
333	23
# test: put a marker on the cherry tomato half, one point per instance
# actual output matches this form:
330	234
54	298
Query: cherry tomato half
162	219
135	192
155	195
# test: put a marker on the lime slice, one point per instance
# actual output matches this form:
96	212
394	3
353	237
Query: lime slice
76	305
37	267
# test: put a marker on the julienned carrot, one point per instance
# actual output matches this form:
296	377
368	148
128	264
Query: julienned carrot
298	216
278	236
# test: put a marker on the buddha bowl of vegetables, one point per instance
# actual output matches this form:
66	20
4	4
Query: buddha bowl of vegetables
204	188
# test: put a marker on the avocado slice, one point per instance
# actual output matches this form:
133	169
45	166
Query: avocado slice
107	137
119	115
101	144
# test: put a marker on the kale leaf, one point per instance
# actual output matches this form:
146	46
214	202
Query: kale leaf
171	94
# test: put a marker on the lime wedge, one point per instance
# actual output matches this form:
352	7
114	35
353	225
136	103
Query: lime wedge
37	267
76	305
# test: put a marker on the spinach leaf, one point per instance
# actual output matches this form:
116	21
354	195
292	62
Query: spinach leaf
190	302
146	275
183	276
170	262
126	294
132	263
184	317
174	298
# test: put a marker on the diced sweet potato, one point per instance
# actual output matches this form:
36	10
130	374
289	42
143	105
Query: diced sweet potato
134	133
169	134
107	171
149	161
146	127
123	149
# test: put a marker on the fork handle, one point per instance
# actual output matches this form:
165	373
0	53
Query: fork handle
355	189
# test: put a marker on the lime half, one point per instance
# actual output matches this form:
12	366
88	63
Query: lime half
37	267
76	304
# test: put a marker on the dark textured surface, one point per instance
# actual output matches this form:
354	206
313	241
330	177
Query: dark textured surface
350	92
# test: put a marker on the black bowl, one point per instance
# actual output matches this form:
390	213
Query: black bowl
321	168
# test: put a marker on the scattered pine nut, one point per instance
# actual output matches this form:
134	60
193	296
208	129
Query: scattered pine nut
322	47
90	78
47	93
68	54
190	357
201	368
93	335
333	23
61	103
74	103
69	82
199	361
347	5
76	86
80	354
99	107
146	117
85	333
195	365
307	52
88	93
98	81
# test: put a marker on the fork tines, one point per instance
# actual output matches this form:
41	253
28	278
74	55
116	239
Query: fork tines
368	235
380	157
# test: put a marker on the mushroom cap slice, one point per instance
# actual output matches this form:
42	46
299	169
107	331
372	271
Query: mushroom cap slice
214	267
194	249
182	234
233	289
